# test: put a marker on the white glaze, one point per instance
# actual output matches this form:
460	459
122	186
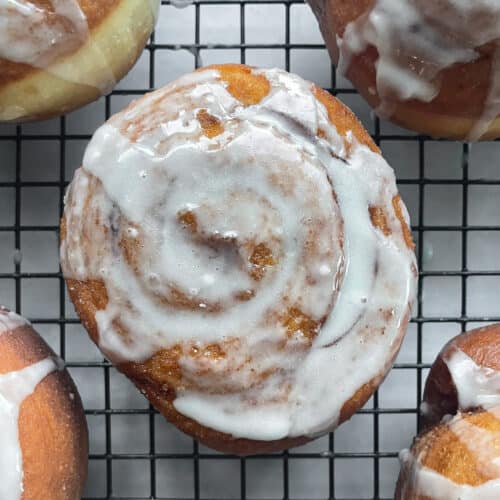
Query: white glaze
476	385
484	445
27	37
265	179
412	51
15	387
10	321
430	484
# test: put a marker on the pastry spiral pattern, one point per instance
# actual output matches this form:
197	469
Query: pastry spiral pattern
235	242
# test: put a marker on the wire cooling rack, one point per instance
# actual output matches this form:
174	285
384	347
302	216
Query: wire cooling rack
451	189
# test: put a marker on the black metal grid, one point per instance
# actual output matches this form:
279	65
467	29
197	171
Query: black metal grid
420	181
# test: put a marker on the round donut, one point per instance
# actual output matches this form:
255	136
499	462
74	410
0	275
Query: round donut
44	432
58	55
429	65
234	242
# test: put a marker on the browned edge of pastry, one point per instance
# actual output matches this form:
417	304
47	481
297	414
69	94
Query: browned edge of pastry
52	427
442	451
460	84
482	345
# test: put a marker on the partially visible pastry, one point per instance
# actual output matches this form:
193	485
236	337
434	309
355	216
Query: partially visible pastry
57	55
465	375
235	243
430	65
459	459
43	432
458	456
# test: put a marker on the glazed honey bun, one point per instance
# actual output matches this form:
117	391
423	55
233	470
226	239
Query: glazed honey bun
236	244
42	425
430	65
57	55
458	457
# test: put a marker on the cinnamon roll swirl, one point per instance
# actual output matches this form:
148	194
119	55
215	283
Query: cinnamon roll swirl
234	242
458	457
57	55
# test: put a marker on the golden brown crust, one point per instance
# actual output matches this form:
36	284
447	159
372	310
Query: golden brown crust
162	399
343	118
464	87
441	450
244	85
482	346
156	377
159	376
52	427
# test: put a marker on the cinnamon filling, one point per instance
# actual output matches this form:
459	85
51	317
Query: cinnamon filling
300	326
212	127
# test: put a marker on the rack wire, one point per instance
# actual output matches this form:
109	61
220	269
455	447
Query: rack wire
450	188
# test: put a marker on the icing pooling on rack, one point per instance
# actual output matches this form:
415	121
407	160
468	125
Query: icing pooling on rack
484	445
10	321
32	35
15	387
476	385
265	182
413	51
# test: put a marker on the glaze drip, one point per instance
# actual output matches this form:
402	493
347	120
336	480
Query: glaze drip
477	386
45	38
15	387
36	36
10	321
416	40
248	230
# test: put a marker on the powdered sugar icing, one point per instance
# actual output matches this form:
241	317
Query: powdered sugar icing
41	37
413	50
330	304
